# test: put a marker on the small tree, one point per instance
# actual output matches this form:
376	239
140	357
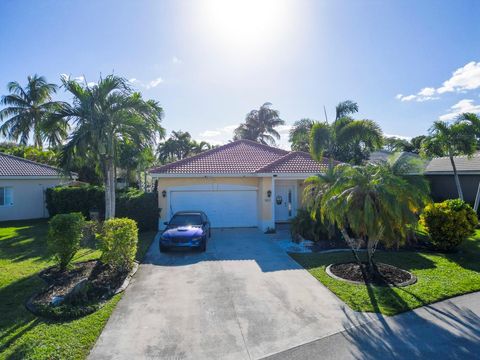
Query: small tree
369	204
118	242
64	236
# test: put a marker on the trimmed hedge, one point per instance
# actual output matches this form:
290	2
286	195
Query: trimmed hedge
64	235
134	204
118	242
139	206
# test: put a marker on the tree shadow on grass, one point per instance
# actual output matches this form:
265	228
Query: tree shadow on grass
16	320
446	331
27	241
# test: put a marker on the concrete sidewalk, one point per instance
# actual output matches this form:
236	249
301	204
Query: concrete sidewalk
446	330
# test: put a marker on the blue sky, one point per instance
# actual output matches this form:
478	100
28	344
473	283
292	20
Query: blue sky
209	62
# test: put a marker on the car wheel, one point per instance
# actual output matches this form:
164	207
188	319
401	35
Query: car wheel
163	248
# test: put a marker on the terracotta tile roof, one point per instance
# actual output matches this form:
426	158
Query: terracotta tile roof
244	157
464	164
296	162
14	166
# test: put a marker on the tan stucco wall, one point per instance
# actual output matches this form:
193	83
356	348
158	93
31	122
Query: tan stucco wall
262	184
28	198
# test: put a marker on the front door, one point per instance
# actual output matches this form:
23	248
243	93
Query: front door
284	202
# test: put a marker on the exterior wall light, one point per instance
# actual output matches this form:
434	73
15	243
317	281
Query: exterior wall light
164	193
269	193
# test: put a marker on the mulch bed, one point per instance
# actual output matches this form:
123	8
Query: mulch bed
100	283
389	275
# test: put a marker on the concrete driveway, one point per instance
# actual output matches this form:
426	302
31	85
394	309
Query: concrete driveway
245	298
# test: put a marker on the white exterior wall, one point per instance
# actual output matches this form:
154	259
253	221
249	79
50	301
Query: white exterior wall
28	198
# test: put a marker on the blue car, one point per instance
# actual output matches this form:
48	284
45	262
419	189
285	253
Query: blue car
186	229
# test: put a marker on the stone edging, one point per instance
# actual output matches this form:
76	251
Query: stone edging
411	281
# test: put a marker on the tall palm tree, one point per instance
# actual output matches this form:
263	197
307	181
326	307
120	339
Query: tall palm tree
105	114
260	125
474	121
345	108
458	138
299	135
28	110
368	204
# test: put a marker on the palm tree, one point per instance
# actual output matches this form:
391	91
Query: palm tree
458	138
104	115
474	121
345	139
299	135
345	108
260	126
179	146
29	110
368	204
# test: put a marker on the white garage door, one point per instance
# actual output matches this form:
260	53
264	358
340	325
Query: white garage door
224	208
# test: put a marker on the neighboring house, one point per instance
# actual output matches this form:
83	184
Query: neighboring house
241	184
439	172
22	187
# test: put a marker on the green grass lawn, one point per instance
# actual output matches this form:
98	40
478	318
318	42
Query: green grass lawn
440	276
23	253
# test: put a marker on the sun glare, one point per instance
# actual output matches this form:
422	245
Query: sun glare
246	22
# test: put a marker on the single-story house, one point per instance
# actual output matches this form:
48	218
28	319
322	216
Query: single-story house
439	172
240	184
22	187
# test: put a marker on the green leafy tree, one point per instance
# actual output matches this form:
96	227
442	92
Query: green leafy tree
368	204
30	110
179	146
457	138
105	114
395	144
345	139
299	135
260	125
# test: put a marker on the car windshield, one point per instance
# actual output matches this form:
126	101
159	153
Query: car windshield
186	220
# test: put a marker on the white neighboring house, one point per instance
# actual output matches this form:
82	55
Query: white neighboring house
22	187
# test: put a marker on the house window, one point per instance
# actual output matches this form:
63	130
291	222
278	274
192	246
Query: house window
6	196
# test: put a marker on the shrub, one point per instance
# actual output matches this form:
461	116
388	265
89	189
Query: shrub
65	199
118	242
64	236
139	206
449	223
90	230
134	204
311	229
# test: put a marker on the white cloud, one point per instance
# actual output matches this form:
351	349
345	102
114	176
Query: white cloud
146	85
428	91
176	60
463	79
154	83
209	133
283	129
463	106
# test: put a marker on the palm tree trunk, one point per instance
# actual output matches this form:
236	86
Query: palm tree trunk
457	179
351	243
109	189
